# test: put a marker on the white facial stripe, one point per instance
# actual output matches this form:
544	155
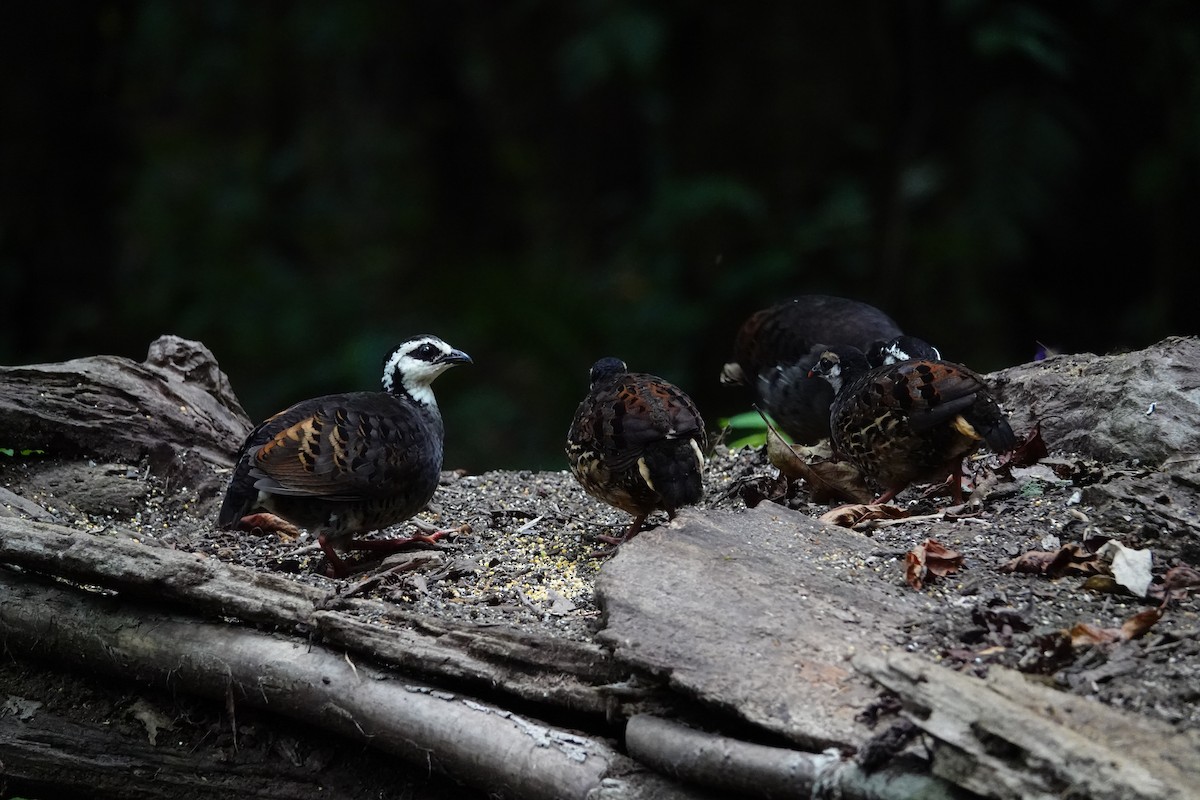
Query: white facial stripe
416	374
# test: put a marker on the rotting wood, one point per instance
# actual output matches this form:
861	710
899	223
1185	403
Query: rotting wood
175	409
479	744
531	666
754	770
47	752
1009	738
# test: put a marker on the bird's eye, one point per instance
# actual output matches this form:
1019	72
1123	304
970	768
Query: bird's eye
426	352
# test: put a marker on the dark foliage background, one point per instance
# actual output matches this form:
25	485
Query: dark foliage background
301	184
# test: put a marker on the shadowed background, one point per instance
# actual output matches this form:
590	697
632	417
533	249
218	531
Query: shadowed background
300	185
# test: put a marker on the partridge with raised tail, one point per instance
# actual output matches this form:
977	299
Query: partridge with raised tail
914	420
637	442
346	464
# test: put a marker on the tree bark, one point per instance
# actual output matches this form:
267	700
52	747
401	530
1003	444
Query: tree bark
473	742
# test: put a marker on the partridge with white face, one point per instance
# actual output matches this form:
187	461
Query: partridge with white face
910	421
637	442
346	464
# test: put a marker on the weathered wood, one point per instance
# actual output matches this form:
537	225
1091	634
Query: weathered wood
1143	405
1007	737
473	742
53	756
175	409
755	770
756	612
534	667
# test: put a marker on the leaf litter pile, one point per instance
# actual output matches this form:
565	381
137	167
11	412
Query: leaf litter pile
1081	572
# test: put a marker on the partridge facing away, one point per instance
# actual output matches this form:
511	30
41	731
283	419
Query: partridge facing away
346	464
914	420
775	348
637	442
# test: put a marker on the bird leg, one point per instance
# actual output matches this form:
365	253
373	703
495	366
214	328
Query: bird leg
889	495
431	535
338	567
632	531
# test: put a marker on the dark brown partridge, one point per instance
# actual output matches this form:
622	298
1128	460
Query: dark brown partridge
914	420
637	442
346	464
775	348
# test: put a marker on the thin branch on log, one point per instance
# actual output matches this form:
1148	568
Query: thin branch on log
755	770
1007	737
473	742
566	674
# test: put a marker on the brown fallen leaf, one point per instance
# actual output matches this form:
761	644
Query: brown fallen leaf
851	514
1176	584
1070	559
1134	627
930	558
1030	451
827	479
1082	633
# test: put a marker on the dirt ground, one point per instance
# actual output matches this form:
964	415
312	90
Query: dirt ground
530	560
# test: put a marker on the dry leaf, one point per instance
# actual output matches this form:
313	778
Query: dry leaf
1082	633
1030	451
826	479
1136	626
930	558
1070	559
1176	583
1133	628
850	515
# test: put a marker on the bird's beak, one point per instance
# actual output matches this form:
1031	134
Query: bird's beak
455	357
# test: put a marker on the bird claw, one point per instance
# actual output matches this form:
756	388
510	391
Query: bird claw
268	523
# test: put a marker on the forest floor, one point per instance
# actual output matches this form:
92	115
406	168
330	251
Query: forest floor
530	559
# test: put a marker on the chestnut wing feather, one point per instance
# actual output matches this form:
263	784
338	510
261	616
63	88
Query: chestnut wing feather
347	447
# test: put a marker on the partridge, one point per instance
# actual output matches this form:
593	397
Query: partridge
901	348
776	346
346	464
637	442
914	420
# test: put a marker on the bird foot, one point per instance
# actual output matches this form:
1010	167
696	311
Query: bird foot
431	536
269	523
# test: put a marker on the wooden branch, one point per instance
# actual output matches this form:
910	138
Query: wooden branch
534	667
176	408
1007	737
754	770
50	755
473	742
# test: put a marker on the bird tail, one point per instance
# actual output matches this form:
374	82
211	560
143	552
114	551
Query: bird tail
239	497
673	469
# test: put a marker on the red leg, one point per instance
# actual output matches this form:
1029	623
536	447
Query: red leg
395	543
337	567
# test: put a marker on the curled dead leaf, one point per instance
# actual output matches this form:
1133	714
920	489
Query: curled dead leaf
1084	634
1136	626
1031	450
848	516
1070	559
930	558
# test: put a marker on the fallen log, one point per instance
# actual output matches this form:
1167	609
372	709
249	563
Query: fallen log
560	673
1007	737
473	742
